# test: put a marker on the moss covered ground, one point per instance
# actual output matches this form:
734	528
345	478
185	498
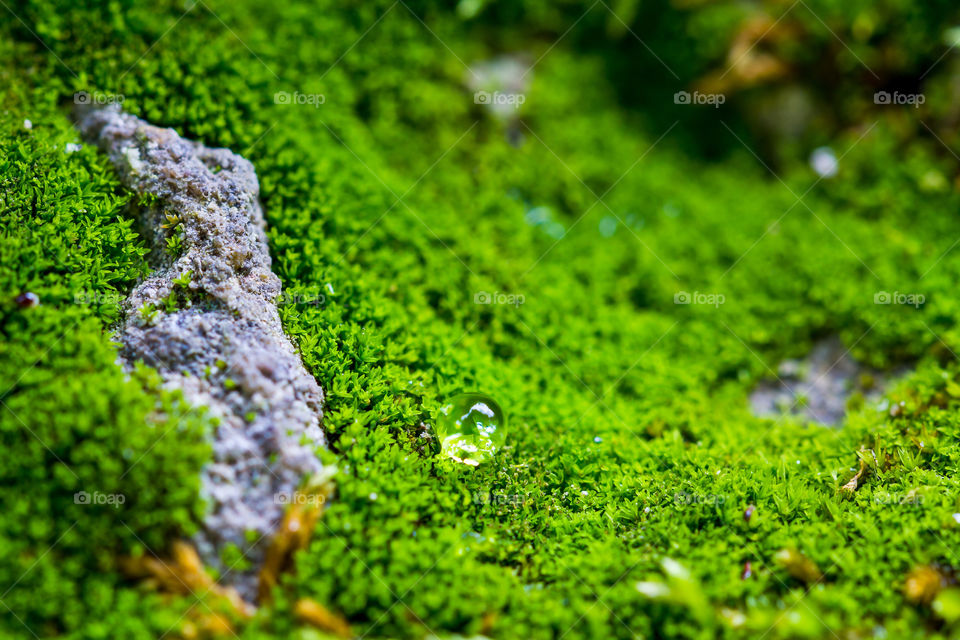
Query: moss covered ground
635	485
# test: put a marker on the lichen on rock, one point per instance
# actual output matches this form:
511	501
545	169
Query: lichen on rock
206	319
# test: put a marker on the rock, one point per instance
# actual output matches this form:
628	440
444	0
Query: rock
223	344
819	386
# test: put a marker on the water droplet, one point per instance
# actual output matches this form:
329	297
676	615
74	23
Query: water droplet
471	427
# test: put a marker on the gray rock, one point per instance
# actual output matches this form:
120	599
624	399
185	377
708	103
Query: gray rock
223	345
818	387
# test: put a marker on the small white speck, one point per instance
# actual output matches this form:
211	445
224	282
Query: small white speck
646	509
373	496
824	162
27	124
584	493
798	462
598	439
72	147
330	288
956	518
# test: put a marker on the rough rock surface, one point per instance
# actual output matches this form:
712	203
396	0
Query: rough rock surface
819	386
217	337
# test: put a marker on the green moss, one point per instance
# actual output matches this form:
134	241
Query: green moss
631	456
95	463
174	242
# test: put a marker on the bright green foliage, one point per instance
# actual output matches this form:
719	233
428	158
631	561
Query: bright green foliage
631	456
92	464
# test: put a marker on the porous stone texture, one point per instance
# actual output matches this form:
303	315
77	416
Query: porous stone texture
222	343
819	386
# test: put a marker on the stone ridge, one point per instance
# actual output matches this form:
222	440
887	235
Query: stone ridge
218	338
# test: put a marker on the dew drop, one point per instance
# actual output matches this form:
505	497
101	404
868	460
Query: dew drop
471	427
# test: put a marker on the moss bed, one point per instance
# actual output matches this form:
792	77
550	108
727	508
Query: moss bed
635	485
